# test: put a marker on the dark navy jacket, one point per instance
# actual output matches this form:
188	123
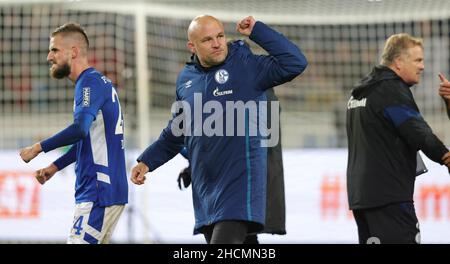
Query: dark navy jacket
385	130
229	172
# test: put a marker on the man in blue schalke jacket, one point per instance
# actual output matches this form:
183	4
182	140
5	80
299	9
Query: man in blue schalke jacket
220	117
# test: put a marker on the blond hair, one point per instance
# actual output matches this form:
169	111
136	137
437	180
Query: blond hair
72	28
397	45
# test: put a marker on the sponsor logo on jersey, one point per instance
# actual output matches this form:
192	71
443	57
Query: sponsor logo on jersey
216	92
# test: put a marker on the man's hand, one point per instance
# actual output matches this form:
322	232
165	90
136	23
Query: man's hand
45	174
444	89
245	26
138	173
446	159
30	152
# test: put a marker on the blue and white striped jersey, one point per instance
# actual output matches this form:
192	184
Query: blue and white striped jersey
97	138
100	163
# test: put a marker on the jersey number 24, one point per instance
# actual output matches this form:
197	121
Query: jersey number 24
119	124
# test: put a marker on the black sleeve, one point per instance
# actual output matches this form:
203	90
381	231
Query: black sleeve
419	135
400	109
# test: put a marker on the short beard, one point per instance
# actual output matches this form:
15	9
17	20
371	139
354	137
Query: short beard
61	72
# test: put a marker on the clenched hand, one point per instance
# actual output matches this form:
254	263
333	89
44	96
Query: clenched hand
138	173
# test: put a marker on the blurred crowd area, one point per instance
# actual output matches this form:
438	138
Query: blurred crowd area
33	106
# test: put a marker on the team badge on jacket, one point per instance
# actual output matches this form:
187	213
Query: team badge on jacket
221	76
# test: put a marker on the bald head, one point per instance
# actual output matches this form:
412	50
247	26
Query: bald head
200	22
207	40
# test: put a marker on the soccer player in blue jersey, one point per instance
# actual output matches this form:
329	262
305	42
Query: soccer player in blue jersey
96	136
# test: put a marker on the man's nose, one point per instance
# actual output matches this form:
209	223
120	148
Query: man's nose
422	66
215	43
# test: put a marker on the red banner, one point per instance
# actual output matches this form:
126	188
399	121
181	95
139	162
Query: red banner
19	195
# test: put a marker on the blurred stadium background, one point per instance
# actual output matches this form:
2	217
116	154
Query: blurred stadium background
141	46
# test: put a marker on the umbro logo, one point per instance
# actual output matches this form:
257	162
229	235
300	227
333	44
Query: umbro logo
188	84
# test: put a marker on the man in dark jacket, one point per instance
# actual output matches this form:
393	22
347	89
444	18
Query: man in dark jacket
385	130
228	165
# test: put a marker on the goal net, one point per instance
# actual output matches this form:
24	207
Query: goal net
341	39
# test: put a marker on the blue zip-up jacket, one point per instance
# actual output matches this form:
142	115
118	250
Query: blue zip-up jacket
228	166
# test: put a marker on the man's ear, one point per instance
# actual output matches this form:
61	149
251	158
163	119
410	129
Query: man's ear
190	46
398	62
75	52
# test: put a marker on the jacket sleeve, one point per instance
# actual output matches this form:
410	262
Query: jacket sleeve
284	62
167	146
184	153
403	113
163	149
